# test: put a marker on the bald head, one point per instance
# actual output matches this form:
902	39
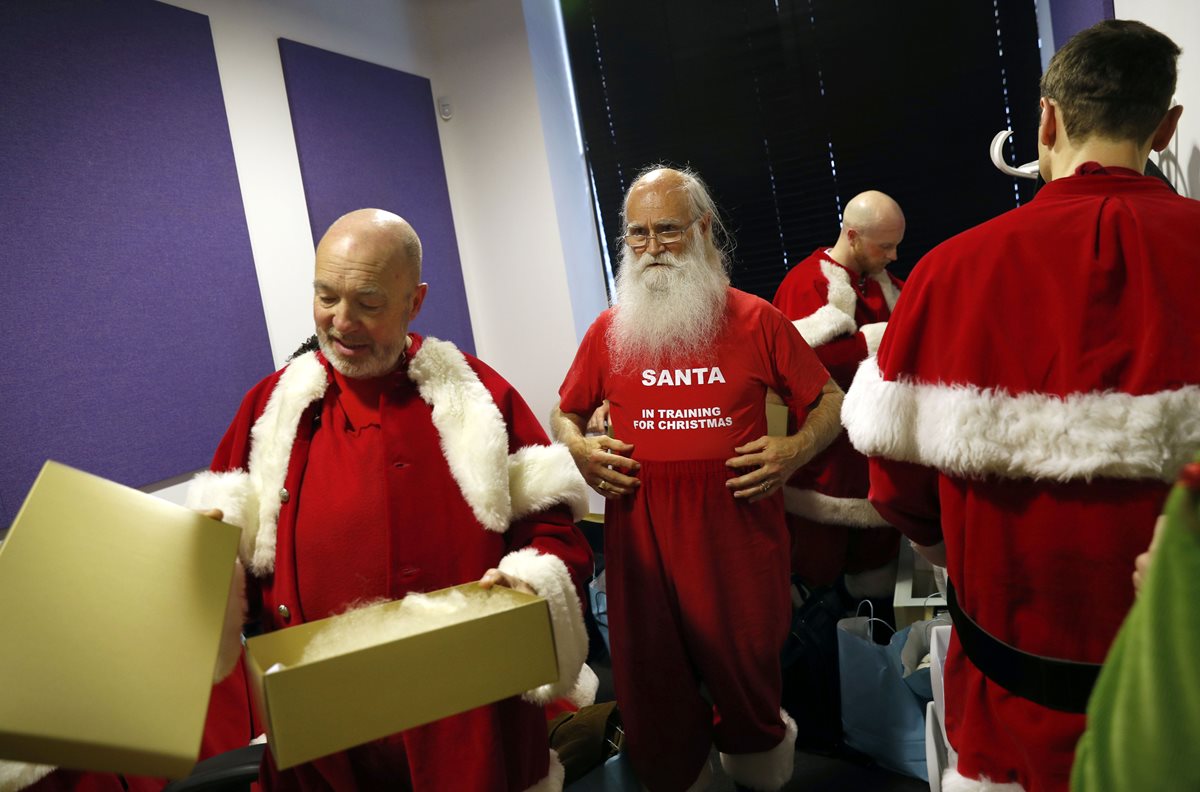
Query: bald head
872	229
376	235
872	210
366	290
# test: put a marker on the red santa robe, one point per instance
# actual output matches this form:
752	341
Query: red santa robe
1034	396
493	496
842	316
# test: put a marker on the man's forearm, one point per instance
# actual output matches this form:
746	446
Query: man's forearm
823	422
566	428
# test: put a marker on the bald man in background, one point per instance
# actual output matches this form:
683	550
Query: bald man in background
377	463
840	299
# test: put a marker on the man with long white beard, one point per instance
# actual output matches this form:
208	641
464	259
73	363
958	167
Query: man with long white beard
695	541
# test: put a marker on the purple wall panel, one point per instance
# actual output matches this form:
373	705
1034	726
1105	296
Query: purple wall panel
1068	17
367	137
135	314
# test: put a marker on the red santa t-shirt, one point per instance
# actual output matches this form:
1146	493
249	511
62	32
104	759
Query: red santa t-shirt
700	408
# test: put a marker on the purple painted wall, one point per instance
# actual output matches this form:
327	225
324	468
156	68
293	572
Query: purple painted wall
1071	16
134	318
367	137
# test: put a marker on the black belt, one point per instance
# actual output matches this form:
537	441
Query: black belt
1062	685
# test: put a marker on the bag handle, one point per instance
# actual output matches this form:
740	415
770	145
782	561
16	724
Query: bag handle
871	618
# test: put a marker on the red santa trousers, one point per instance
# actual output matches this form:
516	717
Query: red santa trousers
697	596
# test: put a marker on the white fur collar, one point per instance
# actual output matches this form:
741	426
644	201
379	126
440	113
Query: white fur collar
965	430
499	488
836	317
890	292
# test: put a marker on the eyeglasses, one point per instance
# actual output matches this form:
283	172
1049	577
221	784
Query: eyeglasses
639	240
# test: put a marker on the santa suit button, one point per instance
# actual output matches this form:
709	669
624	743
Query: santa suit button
284	613
1189	476
284	495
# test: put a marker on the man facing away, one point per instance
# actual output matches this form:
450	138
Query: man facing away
1034	395
696	547
840	299
385	463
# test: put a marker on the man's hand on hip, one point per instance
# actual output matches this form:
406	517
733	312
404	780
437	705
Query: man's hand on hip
772	461
600	459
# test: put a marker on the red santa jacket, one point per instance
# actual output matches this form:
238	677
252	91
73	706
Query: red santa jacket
494	496
1036	392
843	322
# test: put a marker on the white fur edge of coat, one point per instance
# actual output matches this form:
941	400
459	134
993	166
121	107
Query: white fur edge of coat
548	576
473	436
966	430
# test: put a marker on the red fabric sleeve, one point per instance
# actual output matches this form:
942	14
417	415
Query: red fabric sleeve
841	357
803	291
582	390
797	371
906	495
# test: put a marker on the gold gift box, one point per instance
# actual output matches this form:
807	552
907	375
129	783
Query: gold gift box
316	708
112	607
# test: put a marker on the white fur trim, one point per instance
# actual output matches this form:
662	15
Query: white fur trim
968	431
231	632
818	507
890	292
541	476
271	440
556	776
873	334
474	437
584	692
548	576
18	775
765	770
824	325
231	492
954	781
836	317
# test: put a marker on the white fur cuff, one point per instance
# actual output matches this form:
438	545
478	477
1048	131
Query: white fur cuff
542	476
954	781
966	430
555	777
873	334
230	492
548	576
18	775
824	324
584	692
765	770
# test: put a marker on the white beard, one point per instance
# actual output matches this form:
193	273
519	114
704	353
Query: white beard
670	308
383	360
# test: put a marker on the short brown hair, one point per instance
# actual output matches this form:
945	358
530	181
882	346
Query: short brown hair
1114	80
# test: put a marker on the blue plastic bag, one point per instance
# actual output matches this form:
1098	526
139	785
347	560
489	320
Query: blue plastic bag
883	711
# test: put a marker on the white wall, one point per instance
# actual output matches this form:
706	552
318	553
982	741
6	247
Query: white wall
503	197
1181	21
511	182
